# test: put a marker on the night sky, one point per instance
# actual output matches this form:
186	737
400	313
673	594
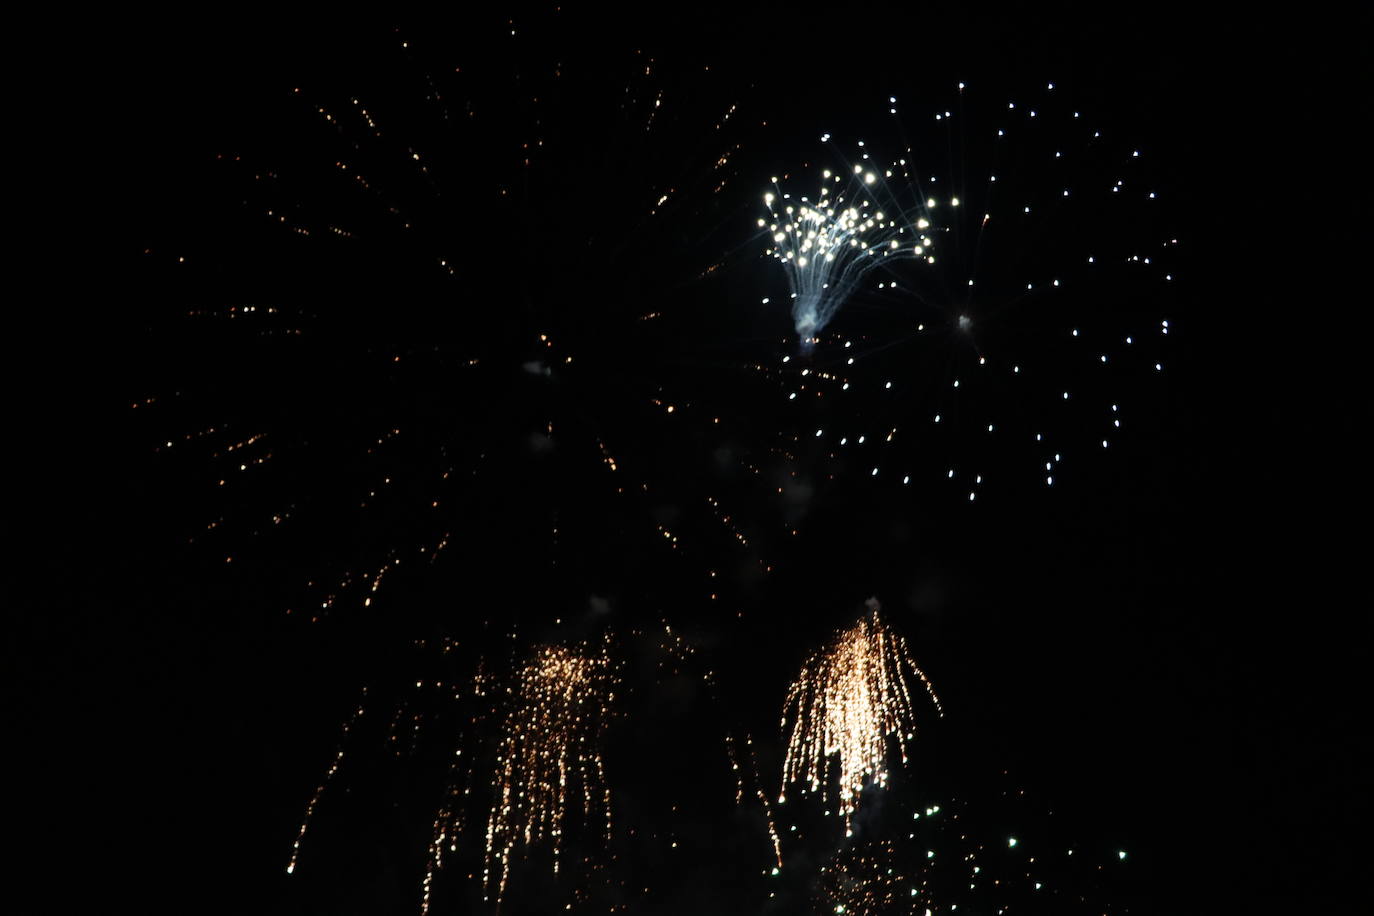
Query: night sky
426	292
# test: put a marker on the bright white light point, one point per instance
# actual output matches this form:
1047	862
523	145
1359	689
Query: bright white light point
1016	369
1075	332
1104	443
765	300
1158	367
875	473
907	480
961	85
861	440
1049	481
1011	842
843	440
787	359
844	387
956	383
768	198
1050	86
761	224
1121	854
930	202
888	385
1128	340
1066	395
951	474
792	396
870	178
858	168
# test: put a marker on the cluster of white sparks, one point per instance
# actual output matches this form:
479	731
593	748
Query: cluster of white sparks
551	748
827	245
848	700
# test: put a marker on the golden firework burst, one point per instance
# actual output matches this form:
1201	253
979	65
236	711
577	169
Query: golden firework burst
848	700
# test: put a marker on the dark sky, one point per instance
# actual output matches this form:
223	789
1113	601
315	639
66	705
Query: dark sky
1169	652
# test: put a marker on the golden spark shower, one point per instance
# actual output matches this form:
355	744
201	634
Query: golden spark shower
550	757
848	700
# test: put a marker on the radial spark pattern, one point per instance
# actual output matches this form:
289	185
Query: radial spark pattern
550	758
827	245
844	705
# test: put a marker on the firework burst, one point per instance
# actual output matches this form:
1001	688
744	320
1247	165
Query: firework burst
549	761
848	700
983	307
864	880
827	245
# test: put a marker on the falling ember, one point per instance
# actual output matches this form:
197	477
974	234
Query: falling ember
848	699
552	746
